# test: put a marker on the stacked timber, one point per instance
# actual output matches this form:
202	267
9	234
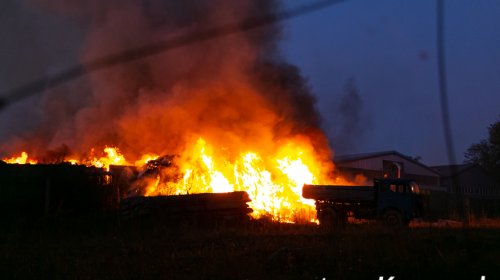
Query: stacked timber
196	209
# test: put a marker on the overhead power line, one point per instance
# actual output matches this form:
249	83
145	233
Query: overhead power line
443	87
462	201
80	70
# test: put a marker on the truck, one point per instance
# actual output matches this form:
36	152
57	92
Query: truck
392	202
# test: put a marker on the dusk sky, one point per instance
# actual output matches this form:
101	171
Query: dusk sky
385	51
389	48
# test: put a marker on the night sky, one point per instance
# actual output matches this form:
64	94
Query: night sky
371	65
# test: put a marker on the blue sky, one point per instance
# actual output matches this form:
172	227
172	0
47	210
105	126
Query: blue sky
388	47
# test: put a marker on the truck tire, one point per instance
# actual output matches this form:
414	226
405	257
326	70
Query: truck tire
393	218
342	219
328	218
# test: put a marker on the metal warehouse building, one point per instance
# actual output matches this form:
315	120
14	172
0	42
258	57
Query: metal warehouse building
389	164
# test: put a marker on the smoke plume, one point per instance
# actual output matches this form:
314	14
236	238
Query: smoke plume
349	120
235	90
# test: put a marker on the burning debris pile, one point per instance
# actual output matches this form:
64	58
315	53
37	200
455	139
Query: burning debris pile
197	209
236	116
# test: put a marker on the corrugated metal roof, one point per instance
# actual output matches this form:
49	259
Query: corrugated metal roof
448	170
356	157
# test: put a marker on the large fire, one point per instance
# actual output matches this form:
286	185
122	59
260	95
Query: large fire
21	159
273	181
220	115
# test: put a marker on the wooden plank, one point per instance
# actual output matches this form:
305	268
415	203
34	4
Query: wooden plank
207	205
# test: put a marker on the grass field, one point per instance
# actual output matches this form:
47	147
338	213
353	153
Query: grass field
260	250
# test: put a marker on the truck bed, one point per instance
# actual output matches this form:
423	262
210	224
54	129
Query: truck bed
339	193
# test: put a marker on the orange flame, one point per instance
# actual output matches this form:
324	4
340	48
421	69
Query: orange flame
22	159
114	157
145	158
273	181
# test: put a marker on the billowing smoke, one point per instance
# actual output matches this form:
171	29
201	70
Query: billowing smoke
349	122
235	90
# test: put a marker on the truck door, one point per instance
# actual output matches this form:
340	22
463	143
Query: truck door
395	195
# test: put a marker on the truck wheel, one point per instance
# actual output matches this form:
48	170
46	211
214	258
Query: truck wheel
393	218
332	219
341	219
328	218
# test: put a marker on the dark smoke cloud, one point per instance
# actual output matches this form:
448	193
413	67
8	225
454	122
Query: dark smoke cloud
349	121
33	45
213	88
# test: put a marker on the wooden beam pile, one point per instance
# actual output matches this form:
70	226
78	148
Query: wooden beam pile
195	209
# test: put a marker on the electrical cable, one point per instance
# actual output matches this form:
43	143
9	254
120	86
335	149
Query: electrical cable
445	111
80	70
443	89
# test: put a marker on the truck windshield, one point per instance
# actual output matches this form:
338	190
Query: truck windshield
414	188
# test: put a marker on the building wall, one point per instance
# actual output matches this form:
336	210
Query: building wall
374	168
376	163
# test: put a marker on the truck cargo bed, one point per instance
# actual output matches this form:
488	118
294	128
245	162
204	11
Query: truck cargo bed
339	193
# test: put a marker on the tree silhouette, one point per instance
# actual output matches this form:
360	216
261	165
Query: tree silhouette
487	152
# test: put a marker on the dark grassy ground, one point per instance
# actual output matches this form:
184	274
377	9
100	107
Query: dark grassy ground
80	250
